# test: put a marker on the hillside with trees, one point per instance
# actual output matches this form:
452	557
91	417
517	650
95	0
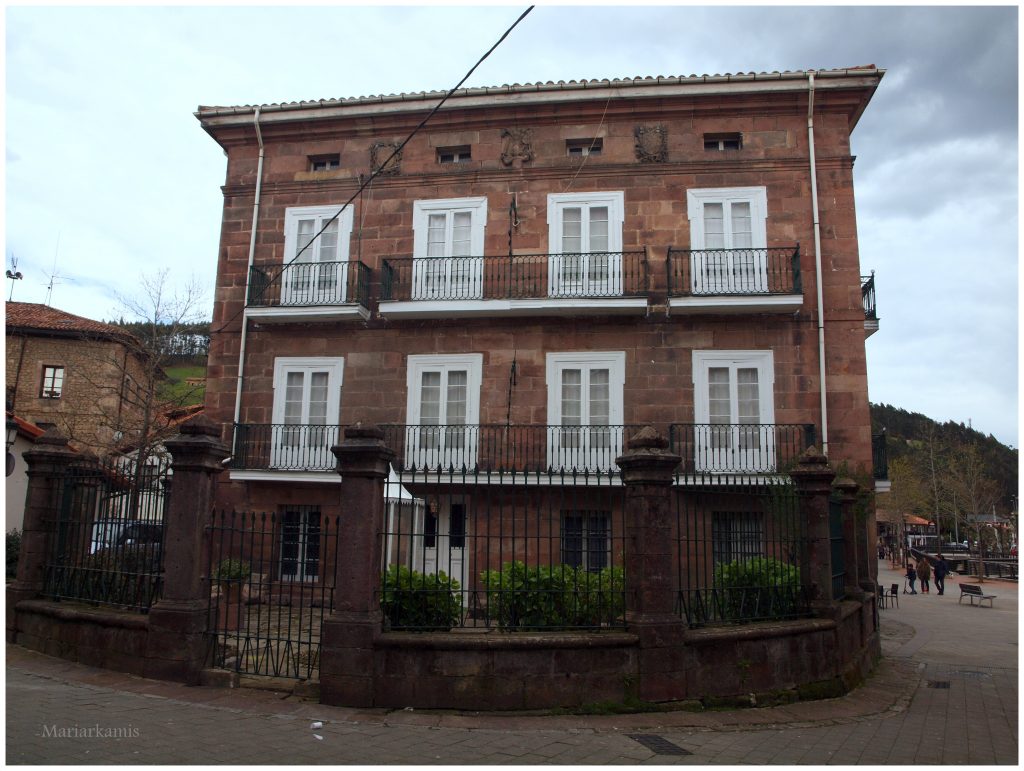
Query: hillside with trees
948	472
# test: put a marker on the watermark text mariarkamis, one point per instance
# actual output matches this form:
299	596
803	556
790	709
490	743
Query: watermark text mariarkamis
94	731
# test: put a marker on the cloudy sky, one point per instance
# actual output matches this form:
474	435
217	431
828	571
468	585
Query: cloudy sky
109	175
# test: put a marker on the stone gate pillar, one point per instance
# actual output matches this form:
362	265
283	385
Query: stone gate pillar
349	632
852	536
813	479
647	469
176	648
48	462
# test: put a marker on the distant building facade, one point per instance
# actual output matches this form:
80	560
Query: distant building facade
79	375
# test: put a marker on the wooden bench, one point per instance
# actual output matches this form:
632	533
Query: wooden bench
974	592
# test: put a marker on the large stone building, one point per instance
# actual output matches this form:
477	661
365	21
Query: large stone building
599	253
76	374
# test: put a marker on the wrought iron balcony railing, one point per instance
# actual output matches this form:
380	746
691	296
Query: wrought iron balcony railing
305	284
508	449
705	448
699	272
879	457
280	447
867	295
730	448
520	276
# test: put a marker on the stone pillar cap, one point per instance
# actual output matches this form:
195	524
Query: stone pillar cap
647	438
52	437
200	425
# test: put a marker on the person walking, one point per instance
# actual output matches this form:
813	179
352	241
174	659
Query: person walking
941	569
924	573
911	577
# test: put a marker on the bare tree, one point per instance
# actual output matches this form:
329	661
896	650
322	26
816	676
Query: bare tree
134	406
976	493
165	312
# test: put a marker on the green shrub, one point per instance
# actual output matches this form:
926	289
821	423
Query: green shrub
232	570
760	587
13	550
552	597
416	602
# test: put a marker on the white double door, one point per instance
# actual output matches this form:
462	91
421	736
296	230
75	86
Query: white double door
584	267
306	404
729	257
317	275
448	270
445	540
735	430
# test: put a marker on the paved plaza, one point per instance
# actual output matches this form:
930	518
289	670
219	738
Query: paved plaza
945	693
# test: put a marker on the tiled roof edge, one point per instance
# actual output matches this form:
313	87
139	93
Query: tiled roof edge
521	88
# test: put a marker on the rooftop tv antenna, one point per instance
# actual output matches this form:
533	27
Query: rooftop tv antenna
14	275
54	276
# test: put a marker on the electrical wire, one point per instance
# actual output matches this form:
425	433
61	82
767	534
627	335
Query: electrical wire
374	173
593	144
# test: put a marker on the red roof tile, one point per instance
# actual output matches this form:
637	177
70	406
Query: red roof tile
34	316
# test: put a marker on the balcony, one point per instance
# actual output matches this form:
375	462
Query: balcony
308	291
500	449
867	296
738	449
462	453
880	463
734	280
275	451
515	285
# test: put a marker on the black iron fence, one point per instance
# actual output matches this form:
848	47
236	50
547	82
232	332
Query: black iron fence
271	579
308	284
740	554
286	447
478	551
105	535
519	276
748	448
837	546
774	270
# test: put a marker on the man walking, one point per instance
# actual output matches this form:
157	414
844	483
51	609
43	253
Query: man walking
940	571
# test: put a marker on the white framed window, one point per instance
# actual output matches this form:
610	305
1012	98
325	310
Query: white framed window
316	266
325	163
463	154
300	543
443	410
586	536
52	384
585	244
307	401
585	409
448	248
736	536
729	239
581	148
734	409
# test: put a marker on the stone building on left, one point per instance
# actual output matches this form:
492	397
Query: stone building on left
76	374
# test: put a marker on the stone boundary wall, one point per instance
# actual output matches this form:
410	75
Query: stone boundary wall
104	638
655	659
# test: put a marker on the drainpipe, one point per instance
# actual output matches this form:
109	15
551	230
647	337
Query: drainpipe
248	275
817	264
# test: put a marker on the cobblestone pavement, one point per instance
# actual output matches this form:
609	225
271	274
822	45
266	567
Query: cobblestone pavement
946	692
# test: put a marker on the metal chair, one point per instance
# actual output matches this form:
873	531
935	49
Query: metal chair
895	595
882	597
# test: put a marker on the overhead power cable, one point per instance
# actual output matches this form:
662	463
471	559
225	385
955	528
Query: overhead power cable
374	173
